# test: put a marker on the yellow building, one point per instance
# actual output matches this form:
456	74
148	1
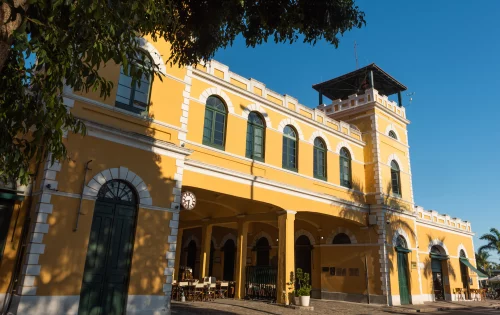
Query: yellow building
276	185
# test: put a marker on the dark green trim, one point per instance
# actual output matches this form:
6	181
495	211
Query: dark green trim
402	249
466	262
211	141
439	257
213	145
11	196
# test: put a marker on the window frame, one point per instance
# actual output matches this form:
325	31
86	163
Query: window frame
254	126
347	158
289	138
319	150
133	88
396	175
393	135
215	111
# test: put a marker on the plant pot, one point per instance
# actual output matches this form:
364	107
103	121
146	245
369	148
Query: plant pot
297	300
304	300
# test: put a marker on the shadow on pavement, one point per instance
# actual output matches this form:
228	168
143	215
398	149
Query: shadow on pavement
209	308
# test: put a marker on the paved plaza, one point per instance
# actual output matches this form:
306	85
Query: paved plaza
241	307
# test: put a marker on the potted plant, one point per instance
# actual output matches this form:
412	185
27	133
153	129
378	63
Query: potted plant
304	289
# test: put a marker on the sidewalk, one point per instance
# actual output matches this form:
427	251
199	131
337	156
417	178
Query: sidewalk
429	307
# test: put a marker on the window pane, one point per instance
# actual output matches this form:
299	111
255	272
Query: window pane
207	128
249	141
219	129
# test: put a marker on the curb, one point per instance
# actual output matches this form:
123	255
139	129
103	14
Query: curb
440	309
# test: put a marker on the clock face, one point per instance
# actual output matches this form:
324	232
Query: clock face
188	200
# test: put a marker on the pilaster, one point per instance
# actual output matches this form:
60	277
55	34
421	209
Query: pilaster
206	234
286	256
241	259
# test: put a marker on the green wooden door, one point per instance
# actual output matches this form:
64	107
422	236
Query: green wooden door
404	292
107	266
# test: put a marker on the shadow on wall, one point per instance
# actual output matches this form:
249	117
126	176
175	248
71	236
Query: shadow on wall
64	260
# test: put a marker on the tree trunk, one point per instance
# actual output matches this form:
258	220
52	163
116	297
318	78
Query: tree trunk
7	28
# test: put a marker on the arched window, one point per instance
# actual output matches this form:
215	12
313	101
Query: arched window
462	254
341	238
214	128
319	163
401	242
133	95
289	148
117	190
255	137
395	179
262	247
392	134
345	168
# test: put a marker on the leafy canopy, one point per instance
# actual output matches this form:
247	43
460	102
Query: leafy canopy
73	39
492	239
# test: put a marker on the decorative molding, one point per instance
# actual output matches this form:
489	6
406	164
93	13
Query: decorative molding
308	234
438	243
255	107
220	93
291	122
228	236
259	236
186	95
342	144
391	127
401	232
154	53
395	158
462	247
189	239
320	134
122	173
339	230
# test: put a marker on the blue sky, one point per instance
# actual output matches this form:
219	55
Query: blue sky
448	54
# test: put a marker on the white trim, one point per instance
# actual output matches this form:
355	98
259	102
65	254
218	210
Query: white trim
219	172
228	236
47	305
319	181
443	228
342	144
323	137
191	237
401	232
395	158
339	230
389	128
462	247
256	107
308	234
260	235
292	122
220	93
438	243
154	53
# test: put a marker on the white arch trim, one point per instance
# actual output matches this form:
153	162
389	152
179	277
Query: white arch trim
189	239
344	230
309	235
257	108
290	121
155	55
214	241
439	243
347	146
123	173
322	136
391	127
260	235
462	247
228	236
401	232
217	91
395	158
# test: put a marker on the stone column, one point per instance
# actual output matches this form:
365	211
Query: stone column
241	259
286	256
178	254
206	234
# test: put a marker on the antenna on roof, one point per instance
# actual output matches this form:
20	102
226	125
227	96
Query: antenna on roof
356	54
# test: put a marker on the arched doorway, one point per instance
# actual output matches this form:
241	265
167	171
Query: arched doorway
303	249
191	257
403	272
229	259
438	255
109	254
464	273
262	248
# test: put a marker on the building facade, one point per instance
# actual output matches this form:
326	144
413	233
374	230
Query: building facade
277	186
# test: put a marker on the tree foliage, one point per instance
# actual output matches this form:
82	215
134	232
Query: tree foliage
73	39
493	241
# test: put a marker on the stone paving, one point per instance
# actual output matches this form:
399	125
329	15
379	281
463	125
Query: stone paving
323	307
